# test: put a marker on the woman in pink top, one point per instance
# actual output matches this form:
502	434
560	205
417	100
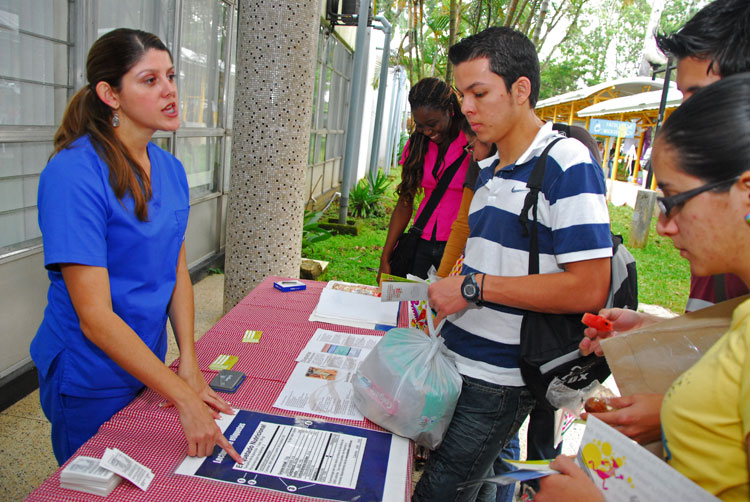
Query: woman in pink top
435	145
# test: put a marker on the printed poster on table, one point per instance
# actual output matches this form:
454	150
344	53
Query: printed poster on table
307	457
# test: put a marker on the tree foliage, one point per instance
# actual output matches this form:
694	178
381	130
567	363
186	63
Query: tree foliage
580	42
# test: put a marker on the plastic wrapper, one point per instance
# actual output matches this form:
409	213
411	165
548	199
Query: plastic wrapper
409	385
560	395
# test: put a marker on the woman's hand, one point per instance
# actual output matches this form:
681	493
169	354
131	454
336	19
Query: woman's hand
571	485
194	378
636	416
385	268
621	319
201	431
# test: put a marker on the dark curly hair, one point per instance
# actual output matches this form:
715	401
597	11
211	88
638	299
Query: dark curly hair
435	94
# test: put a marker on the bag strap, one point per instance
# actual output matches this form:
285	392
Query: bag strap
534	184
437	194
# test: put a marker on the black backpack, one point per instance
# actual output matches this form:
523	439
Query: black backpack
549	342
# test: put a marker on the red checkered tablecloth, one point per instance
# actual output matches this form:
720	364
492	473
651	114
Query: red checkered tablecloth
153	435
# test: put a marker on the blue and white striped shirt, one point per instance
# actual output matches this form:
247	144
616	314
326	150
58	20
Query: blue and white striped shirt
573	225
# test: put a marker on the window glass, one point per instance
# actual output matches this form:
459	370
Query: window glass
21	164
202	62
153	16
201	157
33	61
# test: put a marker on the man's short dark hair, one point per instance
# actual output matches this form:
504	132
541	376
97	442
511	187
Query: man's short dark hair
510	52
719	32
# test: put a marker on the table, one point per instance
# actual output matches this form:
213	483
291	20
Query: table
153	436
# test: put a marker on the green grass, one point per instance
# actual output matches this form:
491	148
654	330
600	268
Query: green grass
663	275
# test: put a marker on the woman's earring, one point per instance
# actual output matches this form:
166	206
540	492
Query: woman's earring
747	218
115	120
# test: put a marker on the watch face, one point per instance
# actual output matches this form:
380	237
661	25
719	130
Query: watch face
469	290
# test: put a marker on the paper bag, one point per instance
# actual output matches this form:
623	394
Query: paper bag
649	359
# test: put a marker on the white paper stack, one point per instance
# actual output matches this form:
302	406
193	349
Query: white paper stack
127	467
85	475
356	305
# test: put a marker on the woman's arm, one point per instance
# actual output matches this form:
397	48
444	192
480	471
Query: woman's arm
399	221
90	293
459	234
182	317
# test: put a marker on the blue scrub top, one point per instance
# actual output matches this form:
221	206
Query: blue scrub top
83	222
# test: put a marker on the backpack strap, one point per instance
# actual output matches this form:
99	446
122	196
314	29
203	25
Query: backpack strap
529	229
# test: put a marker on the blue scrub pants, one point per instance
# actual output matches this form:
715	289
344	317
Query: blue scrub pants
74	419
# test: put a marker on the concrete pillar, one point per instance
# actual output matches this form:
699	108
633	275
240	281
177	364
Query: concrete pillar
644	210
276	56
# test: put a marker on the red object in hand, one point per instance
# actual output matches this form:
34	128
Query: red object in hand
596	321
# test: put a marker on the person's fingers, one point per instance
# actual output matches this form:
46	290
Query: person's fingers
227	447
215	401
564	465
585	347
620	402
438	319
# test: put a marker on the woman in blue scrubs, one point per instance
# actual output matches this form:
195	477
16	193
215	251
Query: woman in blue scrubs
113	209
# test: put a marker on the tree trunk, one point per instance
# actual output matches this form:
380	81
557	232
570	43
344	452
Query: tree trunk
451	39
538	28
511	13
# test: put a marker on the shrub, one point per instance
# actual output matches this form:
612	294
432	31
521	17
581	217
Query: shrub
366	198
311	231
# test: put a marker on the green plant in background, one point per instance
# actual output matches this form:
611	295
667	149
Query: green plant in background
215	271
367	197
311	231
663	275
380	184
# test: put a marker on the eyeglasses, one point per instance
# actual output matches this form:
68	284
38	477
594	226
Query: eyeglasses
666	204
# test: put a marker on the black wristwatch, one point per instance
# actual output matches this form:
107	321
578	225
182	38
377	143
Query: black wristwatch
470	289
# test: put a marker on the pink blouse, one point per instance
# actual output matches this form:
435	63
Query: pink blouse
447	209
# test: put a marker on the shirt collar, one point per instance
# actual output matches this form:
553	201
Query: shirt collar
542	138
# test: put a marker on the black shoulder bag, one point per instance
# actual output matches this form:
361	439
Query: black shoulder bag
402	257
549	342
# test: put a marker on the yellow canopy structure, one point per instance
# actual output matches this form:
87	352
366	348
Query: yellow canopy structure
634	99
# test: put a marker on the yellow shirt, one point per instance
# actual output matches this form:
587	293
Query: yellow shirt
706	415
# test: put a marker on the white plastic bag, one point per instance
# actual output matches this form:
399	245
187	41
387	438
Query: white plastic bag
408	385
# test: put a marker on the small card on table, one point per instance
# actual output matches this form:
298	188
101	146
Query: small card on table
252	336
223	362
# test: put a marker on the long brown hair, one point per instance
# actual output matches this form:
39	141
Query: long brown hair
111	57
429	93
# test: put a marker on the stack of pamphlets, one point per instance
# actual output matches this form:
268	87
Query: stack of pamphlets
85	475
355	305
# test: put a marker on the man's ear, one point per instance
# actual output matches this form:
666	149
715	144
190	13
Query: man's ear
107	95
521	90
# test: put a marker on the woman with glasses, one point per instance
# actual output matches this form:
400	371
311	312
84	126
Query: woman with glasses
436	149
701	160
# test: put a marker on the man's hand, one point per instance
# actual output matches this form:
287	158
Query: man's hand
446	298
571	485
636	416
